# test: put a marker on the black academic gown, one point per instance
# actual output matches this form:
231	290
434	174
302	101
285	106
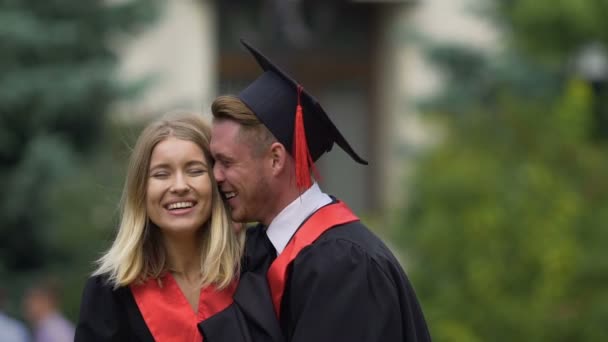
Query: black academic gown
109	315
348	286
251	317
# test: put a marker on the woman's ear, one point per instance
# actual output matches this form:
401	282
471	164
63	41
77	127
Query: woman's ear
278	157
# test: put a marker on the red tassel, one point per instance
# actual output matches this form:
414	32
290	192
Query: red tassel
301	153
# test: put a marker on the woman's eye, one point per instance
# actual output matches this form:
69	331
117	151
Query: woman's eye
197	171
160	174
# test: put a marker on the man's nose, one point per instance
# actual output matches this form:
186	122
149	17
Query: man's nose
218	173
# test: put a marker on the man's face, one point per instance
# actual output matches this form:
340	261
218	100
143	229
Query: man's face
242	176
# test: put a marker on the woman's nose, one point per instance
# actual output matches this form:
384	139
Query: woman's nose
179	184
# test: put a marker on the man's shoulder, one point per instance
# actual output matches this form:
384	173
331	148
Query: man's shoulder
350	240
357	234
348	252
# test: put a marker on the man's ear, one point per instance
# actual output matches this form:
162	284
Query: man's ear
278	157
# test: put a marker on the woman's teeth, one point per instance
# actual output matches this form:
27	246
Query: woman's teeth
180	205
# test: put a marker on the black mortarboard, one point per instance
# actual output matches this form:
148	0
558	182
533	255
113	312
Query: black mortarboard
274	96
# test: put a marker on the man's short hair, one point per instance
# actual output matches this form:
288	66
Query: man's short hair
253	131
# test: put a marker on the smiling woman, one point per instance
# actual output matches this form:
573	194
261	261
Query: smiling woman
175	258
179	190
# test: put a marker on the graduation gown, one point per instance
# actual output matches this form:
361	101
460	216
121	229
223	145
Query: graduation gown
145	312
345	286
348	286
109	315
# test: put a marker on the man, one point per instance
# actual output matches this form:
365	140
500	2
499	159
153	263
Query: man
332	280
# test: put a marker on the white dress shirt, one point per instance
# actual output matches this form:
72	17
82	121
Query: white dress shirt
282	228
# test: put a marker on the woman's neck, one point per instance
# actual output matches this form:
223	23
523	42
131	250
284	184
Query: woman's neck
183	256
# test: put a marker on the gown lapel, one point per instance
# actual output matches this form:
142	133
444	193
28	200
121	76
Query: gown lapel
167	313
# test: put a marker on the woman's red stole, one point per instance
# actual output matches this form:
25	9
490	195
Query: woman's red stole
168	314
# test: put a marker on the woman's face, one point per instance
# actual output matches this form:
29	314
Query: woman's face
179	190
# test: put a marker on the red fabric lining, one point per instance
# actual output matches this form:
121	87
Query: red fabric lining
168	314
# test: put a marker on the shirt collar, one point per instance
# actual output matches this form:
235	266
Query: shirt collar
285	224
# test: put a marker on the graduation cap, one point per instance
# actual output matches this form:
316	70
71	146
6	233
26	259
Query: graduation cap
293	116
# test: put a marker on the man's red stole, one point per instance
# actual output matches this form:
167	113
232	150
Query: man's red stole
168	314
322	220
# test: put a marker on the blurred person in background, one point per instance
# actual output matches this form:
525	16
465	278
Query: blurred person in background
11	329
175	258
42	309
332	279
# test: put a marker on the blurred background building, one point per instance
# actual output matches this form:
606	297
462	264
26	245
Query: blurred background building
355	57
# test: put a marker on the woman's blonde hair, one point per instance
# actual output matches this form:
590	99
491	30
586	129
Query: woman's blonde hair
137	253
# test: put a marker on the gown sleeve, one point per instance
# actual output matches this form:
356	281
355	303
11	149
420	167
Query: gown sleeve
251	317
337	292
101	315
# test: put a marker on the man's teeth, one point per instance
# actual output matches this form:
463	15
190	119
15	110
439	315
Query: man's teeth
229	195
180	205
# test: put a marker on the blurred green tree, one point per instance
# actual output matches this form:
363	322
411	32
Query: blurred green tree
505	222
57	82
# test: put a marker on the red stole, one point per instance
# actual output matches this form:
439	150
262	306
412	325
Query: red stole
168	314
322	220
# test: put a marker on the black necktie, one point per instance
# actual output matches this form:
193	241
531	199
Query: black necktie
272	252
259	251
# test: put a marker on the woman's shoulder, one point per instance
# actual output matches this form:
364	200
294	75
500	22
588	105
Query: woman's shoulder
108	313
103	298
101	285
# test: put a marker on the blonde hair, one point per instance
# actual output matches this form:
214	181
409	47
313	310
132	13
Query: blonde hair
137	253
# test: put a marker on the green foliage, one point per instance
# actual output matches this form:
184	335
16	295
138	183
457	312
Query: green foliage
502	222
505	225
58	80
80	230
475	79
553	30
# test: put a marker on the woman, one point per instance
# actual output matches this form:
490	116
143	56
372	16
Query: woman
175	258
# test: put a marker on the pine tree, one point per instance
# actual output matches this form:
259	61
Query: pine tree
57	82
